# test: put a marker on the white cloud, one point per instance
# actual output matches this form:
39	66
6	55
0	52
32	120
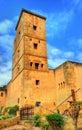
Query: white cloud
75	43
5	73
56	62
6	41
57	56
7	32
79	56
79	42
57	22
76	2
5	67
5	78
6	26
68	54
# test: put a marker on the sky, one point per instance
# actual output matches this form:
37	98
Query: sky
63	31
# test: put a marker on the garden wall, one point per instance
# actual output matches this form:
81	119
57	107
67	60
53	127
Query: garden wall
9	122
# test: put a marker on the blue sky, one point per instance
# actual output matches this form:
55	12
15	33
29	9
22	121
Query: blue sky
63	31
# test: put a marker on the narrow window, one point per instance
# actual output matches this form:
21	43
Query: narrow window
63	84
35	45
42	65
38	104
18	67
30	39
36	65
1	94
34	27
31	64
37	82
18	100
18	51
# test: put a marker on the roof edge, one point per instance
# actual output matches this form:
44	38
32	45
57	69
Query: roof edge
27	11
69	62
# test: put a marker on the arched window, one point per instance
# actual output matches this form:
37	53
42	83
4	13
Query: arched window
1	94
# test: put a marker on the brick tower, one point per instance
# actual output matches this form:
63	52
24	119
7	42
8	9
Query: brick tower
29	56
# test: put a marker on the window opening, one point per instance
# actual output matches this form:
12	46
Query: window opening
30	39
37	82
18	100
35	45
38	104
18	51
1	94
63	84
42	65
31	63
34	27
36	65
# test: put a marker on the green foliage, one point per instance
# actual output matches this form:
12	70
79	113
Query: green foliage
4	117
7	109
12	110
79	128
56	121
3	88
79	104
45	125
36	120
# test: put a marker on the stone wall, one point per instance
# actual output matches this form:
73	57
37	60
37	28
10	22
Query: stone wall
2	98
9	122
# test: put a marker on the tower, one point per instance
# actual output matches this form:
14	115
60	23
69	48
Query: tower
30	53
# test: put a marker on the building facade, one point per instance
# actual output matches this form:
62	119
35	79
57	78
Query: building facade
32	81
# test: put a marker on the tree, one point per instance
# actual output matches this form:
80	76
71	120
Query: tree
74	112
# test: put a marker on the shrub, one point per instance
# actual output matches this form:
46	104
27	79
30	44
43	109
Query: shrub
6	117
79	128
56	121
45	125
36	120
12	110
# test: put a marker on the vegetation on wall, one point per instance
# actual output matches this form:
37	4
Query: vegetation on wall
3	88
4	117
12	110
